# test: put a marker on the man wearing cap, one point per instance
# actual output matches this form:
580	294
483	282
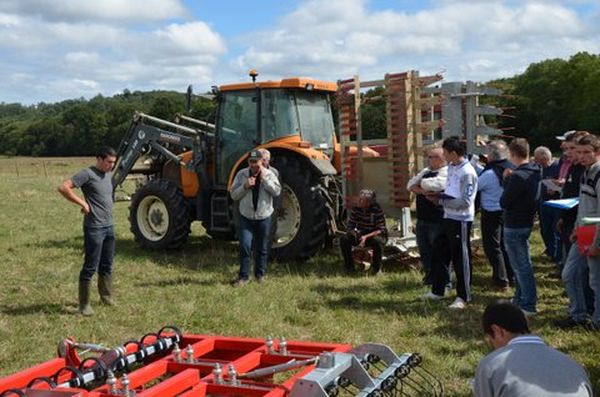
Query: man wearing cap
254	188
366	228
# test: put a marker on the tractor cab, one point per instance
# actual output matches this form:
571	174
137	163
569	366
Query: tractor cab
294	112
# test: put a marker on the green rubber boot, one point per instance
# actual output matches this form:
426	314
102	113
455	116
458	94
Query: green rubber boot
105	289
84	298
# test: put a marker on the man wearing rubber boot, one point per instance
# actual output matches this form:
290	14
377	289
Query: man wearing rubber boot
98	232
366	228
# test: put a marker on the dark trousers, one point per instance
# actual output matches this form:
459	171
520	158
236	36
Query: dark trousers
492	235
375	243
453	246
254	233
99	247
552	240
427	232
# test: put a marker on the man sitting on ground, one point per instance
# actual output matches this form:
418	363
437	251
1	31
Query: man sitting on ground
366	228
522	364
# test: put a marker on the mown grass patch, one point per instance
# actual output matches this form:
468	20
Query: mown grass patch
41	255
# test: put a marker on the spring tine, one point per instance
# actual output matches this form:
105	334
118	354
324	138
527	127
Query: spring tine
435	380
405	393
417	385
427	381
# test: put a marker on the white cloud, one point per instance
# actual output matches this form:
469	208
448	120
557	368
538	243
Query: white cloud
53	50
478	40
74	54
130	11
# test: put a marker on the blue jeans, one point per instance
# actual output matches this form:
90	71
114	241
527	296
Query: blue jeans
573	275
594	267
254	233
552	242
99	246
426	233
516	243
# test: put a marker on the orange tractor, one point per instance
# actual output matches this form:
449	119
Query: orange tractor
190	165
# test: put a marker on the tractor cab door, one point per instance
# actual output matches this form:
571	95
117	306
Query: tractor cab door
237	130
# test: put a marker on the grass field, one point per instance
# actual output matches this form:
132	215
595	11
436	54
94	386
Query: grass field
41	254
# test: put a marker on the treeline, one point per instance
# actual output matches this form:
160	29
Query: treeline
552	97
78	127
549	98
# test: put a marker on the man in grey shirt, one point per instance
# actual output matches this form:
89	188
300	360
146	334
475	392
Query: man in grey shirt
98	232
522	364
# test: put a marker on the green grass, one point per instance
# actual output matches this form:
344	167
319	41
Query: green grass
41	255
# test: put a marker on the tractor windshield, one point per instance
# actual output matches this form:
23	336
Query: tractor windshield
236	130
306	113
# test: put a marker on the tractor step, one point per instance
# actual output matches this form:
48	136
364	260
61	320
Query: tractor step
169	363
220	214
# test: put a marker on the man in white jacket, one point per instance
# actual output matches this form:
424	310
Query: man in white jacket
254	188
429	215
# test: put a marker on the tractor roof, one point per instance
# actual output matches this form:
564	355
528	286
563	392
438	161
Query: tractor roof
293	82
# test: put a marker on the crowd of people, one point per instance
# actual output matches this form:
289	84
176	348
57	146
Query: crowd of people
509	190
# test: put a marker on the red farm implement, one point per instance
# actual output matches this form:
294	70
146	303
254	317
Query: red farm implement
169	363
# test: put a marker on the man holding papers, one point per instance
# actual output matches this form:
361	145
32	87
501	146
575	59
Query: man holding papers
579	258
458	217
549	190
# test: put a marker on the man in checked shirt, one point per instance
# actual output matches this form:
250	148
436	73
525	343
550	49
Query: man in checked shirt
366	228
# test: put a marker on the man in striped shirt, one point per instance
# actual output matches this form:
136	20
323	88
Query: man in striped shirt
366	228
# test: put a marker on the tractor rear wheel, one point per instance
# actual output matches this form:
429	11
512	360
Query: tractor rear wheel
159	215
301	214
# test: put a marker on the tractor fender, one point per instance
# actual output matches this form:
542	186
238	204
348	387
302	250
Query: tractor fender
319	162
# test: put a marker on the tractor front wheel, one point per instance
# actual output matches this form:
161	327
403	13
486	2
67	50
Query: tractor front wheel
159	215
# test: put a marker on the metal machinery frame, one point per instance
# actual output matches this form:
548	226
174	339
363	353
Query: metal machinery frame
417	113
169	363
405	105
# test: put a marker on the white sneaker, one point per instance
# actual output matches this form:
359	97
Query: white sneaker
458	303
431	296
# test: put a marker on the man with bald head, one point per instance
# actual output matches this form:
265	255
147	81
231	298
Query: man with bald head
490	187
429	215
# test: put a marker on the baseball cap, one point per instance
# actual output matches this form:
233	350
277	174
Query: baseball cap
254	155
565	135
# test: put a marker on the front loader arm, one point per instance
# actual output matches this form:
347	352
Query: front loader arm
143	135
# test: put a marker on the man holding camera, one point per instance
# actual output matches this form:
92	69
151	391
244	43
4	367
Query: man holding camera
254	187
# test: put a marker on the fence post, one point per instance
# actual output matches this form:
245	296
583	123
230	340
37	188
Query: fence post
45	170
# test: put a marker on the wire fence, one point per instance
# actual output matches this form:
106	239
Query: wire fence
47	167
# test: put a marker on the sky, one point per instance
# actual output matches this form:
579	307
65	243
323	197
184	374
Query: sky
51	50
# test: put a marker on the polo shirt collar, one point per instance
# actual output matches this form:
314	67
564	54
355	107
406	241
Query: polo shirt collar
529	339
